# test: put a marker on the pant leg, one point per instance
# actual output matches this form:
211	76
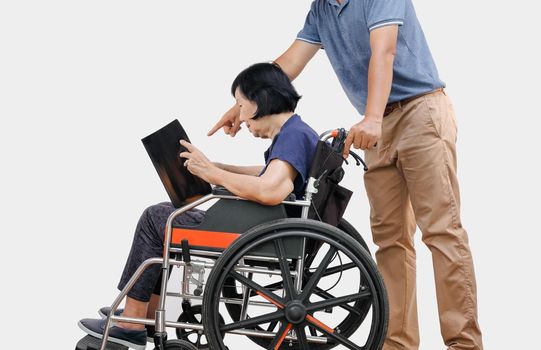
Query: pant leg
393	226
427	156
148	243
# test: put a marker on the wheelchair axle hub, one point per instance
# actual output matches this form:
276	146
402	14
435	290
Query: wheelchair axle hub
295	312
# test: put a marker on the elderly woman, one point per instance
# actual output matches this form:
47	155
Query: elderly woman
267	102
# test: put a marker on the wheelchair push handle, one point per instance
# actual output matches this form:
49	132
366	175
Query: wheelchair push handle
339	139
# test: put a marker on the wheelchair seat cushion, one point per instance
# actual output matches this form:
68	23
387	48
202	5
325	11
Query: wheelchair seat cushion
224	222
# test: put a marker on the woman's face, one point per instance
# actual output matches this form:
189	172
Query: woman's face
258	127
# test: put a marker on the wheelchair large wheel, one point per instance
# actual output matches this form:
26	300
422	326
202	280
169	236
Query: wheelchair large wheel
348	228
349	324
328	318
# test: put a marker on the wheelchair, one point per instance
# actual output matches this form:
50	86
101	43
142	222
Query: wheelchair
292	276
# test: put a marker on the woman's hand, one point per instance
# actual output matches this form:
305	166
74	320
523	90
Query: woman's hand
198	164
230	122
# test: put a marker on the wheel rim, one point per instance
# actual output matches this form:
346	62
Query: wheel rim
348	326
297	311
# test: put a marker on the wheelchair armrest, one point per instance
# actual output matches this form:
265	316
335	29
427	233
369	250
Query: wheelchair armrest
222	191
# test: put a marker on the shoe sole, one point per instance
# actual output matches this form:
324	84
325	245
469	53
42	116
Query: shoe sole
111	339
104	316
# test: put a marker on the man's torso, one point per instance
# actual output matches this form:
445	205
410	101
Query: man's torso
344	31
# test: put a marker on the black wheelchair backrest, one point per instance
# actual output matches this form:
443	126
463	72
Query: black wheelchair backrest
331	199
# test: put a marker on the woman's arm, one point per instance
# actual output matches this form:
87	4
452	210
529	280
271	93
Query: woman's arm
292	62
253	170
271	188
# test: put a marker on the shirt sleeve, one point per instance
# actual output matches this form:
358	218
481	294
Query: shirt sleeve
295	149
380	13
309	32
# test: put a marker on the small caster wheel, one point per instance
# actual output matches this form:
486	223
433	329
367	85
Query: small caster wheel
175	344
196	338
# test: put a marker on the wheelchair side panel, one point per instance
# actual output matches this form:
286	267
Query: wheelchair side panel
226	220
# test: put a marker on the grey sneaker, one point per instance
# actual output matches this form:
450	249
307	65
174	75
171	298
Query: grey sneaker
106	310
134	339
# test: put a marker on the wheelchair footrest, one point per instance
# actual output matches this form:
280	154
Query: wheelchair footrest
91	343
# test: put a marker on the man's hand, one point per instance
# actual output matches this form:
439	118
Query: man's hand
230	122
198	164
363	135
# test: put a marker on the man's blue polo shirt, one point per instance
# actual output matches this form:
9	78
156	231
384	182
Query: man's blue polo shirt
344	31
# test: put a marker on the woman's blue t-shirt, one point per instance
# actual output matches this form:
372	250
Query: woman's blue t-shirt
296	144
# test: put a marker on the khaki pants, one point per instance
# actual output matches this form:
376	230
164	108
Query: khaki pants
412	181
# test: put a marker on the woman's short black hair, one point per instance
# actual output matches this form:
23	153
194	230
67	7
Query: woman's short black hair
268	87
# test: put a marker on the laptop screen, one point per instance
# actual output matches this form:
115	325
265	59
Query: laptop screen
164	148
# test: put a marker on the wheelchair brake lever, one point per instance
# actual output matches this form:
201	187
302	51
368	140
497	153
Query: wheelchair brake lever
339	140
316	183
359	160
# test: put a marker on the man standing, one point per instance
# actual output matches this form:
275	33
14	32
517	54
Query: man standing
382	60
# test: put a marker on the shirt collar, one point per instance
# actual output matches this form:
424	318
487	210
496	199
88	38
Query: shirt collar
340	7
293	118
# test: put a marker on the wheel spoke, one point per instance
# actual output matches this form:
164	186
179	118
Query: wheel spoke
280	336
301	337
337	337
284	267
270	287
251	322
275	299
271	326
186	334
326	295
310	258
338	269
339	301
314	279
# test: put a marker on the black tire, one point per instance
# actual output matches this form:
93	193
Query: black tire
337	242
345	226
175	344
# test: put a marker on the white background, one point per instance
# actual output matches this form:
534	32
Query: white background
81	82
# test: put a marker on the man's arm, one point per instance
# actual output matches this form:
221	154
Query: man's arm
254	170
296	57
380	70
366	133
292	62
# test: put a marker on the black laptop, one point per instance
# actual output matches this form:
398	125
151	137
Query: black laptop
164	149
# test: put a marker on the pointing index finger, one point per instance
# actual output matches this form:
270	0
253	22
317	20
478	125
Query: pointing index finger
215	128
